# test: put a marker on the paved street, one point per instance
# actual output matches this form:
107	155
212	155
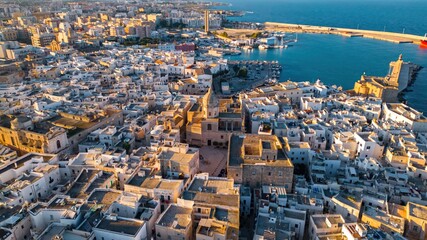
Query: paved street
214	159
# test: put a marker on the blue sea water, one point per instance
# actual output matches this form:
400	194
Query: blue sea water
394	15
340	60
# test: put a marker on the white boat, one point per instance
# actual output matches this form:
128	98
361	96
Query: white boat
271	81
262	47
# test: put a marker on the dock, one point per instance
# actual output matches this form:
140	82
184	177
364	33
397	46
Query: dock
347	32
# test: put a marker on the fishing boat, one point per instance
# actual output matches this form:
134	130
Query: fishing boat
247	48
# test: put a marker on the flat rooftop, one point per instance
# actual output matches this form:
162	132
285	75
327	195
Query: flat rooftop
169	184
7	212
212	198
176	217
120	225
383	217
253	145
211	185
22	160
137	180
406	111
417	210
151	183
299	145
263	224
52	232
61	203
104	197
182	158
321	220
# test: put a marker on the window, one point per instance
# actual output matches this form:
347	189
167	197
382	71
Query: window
280	173
269	173
253	172
209	125
368	147
58	144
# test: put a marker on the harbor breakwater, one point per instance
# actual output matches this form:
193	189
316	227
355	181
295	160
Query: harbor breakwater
379	35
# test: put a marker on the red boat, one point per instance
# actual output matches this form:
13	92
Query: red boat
424	41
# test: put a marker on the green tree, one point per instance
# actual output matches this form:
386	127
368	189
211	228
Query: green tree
256	35
224	34
126	146
243	73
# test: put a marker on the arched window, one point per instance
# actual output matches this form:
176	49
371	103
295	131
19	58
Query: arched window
58	144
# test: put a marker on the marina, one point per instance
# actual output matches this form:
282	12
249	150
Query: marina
327	57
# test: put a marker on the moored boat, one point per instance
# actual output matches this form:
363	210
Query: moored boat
262	47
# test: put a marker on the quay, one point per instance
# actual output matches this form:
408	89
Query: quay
348	32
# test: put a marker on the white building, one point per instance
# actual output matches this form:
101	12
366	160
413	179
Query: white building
112	227
369	145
